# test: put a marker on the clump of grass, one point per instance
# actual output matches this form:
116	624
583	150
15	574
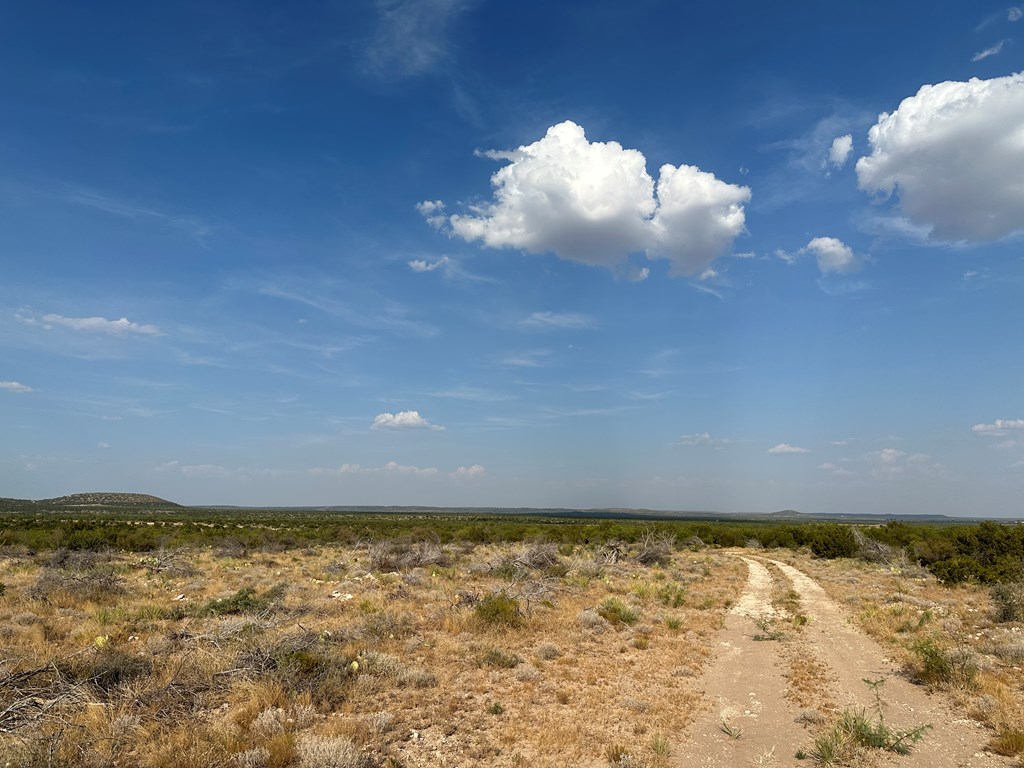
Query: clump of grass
672	595
499	609
940	666
768	629
673	622
548	652
620	756
330	752
732	731
1009	742
496	657
856	729
495	708
616	611
388	625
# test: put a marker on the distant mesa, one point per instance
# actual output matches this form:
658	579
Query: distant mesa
109	499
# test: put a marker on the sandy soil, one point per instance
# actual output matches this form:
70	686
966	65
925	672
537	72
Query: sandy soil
751	717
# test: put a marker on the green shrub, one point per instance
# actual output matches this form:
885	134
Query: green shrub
939	666
832	541
672	595
500	610
244	600
1008	599
496	657
617	612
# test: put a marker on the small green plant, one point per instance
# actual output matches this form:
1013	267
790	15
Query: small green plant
495	657
3	589
732	731
673	622
641	642
617	612
768	629
495	708
939	666
660	745
672	595
244	600
857	729
499	609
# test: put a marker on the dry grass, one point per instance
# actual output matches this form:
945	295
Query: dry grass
364	656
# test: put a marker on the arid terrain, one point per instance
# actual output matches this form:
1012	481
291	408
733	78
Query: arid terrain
408	653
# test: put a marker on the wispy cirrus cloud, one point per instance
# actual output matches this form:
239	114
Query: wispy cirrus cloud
192	226
701	439
993	50
559	320
15	386
413	37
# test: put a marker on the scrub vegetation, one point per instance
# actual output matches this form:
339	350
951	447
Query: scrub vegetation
164	636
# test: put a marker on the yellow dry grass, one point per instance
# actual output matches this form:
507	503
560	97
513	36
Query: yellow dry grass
327	660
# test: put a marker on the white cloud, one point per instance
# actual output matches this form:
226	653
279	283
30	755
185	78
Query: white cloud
992	51
92	325
998	428
564	320
403	420
954	153
595	203
422	265
786	448
833	255
838	442
103	445
635	275
840	150
412	36
469	472
700	439
835	469
1015	13
15	386
535	358
391	466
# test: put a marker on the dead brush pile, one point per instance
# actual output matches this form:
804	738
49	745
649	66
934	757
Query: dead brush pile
193	658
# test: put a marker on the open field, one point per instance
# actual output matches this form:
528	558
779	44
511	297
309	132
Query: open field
432	649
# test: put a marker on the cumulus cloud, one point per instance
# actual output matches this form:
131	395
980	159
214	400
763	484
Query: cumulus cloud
998	428
840	150
119	327
563	320
595	203
890	462
15	386
833	255
422	265
1015	13
991	51
786	448
954	154
403	420
469	472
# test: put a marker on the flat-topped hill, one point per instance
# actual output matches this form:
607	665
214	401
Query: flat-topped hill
109	499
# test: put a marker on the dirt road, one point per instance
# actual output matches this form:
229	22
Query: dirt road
752	715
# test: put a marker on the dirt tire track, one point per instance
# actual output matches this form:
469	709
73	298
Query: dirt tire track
745	687
852	656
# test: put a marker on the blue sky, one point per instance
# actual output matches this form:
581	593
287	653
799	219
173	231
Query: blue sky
729	256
